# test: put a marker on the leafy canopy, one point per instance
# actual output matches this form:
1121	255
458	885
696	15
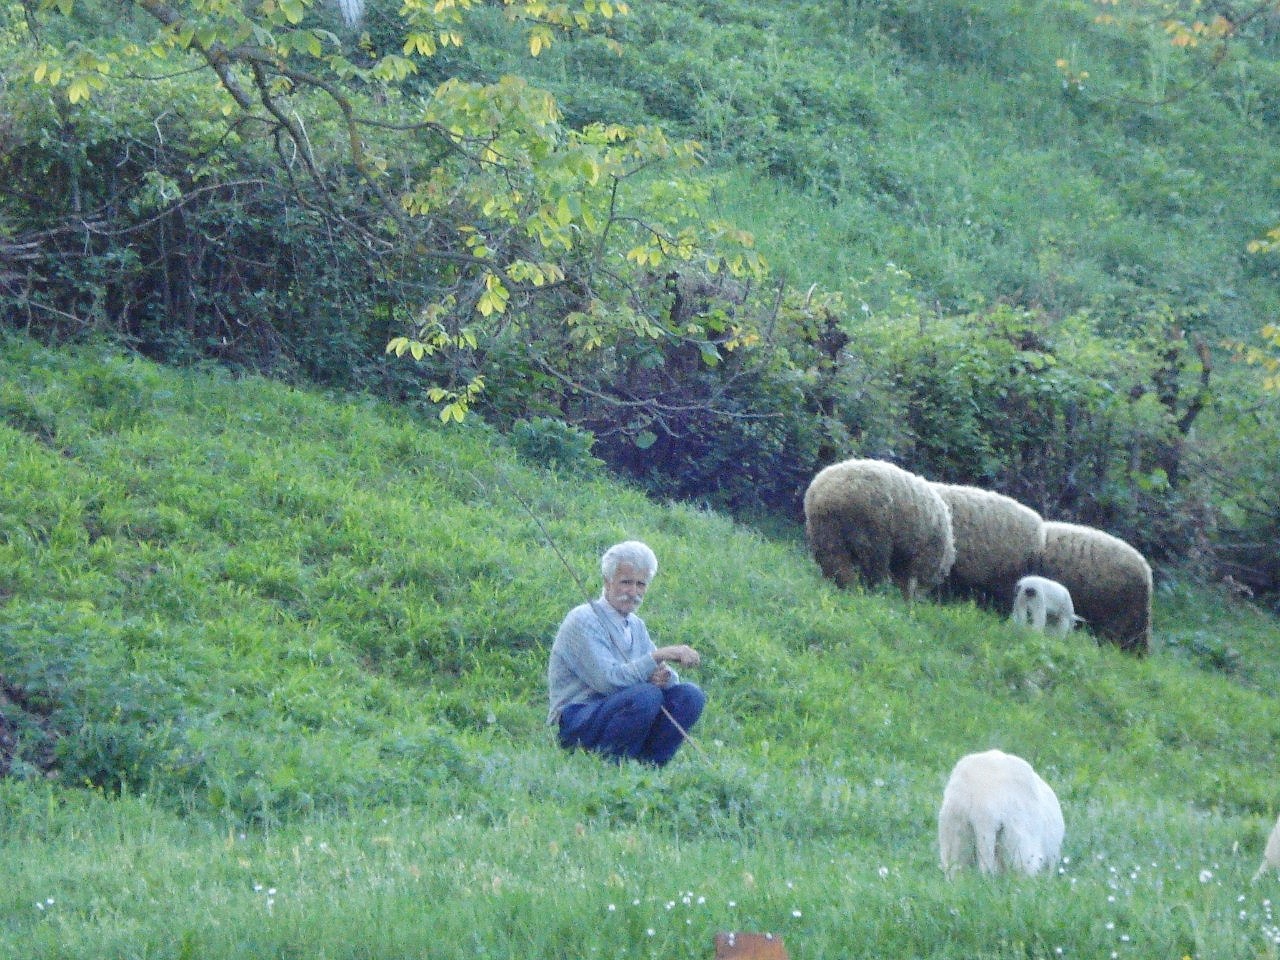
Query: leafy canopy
512	216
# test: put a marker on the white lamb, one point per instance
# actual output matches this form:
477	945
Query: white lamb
1045	605
1271	856
998	814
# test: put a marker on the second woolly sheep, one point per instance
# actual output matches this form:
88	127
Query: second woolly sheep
873	520
1109	580
997	541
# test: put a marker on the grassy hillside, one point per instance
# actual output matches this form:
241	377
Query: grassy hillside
1001	150
272	670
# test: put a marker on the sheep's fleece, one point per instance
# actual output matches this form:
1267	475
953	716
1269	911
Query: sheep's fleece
997	541
998	814
873	519
1110	582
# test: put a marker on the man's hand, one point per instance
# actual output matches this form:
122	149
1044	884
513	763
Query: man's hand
681	654
662	677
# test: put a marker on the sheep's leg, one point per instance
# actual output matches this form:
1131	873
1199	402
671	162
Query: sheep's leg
987	837
955	843
1039	613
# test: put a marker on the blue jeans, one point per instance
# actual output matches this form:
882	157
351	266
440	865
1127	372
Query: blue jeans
630	723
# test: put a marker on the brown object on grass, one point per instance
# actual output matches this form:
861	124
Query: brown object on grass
749	946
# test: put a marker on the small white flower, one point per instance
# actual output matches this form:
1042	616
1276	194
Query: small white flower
1111	925
612	908
883	871
650	932
1206	876
795	913
701	901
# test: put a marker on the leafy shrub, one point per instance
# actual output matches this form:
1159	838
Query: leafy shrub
75	713
554	443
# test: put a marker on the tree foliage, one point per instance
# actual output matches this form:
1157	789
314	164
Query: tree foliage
472	203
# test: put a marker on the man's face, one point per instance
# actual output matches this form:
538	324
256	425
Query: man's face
625	591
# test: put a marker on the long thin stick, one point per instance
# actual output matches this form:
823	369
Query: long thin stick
585	592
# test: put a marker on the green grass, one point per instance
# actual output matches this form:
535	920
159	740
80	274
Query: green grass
268	639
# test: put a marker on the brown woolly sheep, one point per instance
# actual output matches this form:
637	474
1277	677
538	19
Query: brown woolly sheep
997	541
1109	581
872	519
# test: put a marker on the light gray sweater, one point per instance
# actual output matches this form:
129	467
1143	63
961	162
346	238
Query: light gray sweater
589	662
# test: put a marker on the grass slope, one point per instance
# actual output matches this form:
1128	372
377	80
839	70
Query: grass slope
944	137
273	665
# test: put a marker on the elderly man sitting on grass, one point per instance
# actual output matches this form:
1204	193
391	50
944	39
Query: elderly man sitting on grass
611	689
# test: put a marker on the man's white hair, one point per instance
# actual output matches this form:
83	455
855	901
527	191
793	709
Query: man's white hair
632	552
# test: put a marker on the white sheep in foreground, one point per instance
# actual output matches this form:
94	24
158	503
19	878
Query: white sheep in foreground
1044	605
1271	856
998	814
